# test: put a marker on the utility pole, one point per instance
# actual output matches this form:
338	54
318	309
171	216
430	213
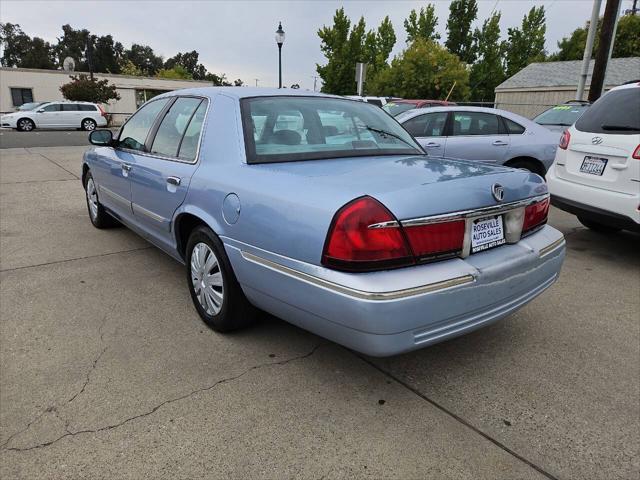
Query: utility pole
315	81
588	48
602	55
256	79
90	40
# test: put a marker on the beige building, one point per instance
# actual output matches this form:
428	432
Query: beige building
540	85
22	85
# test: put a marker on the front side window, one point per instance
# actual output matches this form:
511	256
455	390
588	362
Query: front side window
615	112
427	125
52	107
281	129
20	96
475	123
135	131
173	125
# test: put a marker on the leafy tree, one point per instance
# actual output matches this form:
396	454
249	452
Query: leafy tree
238	83
127	67
143	57
378	45
73	43
627	41
107	54
462	13
424	70
20	50
488	72
526	44
178	72
189	60
82	89
217	80
422	25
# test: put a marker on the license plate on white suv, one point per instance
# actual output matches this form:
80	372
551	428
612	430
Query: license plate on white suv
486	233
593	165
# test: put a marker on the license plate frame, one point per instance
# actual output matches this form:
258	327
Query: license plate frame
486	233
593	165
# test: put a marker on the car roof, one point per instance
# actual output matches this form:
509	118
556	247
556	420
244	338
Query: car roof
461	108
624	86
246	92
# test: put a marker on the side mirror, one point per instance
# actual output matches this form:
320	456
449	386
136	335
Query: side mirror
102	138
40	111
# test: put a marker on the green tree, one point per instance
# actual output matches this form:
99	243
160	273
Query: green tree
143	57
424	70
462	13
107	54
488	71
189	60
422	25
82	89
526	44
217	80
178	72
127	67
627	41
73	43
20	50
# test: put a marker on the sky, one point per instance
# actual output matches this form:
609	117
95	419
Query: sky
237	37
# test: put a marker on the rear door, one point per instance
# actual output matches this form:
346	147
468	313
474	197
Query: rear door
603	141
429	130
70	115
477	136
160	178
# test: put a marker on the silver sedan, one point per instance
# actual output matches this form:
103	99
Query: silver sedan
484	134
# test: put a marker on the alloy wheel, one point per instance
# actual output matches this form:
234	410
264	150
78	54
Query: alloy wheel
25	125
92	198
88	125
206	278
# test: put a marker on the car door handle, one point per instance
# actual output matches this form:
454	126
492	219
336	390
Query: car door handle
500	143
173	181
432	145
126	167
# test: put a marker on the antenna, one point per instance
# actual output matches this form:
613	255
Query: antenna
69	64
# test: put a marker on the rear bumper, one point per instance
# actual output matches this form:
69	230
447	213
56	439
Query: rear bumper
390	312
595	214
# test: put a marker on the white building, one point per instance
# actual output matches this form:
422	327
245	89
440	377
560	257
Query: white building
22	85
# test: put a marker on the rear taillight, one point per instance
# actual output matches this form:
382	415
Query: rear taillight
636	153
564	140
535	215
357	242
436	239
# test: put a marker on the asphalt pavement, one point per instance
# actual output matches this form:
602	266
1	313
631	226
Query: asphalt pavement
42	138
106	370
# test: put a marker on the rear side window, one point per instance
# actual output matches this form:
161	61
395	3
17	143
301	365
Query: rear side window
191	139
615	112
135	131
512	127
69	107
173	126
86	108
428	125
475	123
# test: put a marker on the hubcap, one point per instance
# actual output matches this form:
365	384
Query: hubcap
92	198
26	125
89	125
206	278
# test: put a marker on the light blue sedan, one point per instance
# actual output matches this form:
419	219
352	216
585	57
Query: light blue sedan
325	212
484	134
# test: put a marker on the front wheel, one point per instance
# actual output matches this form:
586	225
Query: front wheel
597	226
88	124
97	214
214	289
25	125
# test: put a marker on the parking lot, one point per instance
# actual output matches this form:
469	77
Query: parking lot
107	370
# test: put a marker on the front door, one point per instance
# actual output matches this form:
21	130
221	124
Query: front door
160	178
48	116
477	136
429	130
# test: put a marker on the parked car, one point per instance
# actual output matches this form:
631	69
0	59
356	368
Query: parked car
396	107
596	173
485	134
29	106
379	101
84	115
559	117
344	228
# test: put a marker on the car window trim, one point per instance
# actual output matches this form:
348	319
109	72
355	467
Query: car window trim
501	128
506	126
131	150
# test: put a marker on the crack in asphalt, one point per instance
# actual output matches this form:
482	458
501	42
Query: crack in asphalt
95	362
55	163
160	405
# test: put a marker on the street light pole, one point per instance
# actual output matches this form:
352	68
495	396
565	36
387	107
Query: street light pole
279	41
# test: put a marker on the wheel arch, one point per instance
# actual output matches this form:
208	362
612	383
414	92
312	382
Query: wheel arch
534	162
185	221
26	118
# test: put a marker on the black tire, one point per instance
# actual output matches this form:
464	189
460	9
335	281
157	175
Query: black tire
597	226
25	125
235	310
530	165
97	214
88	124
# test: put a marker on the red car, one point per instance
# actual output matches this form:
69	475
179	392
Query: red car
396	107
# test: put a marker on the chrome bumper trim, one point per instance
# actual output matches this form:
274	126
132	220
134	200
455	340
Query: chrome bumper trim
114	196
551	247
352	292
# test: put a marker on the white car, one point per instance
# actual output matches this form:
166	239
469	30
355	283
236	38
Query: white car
596	172
84	115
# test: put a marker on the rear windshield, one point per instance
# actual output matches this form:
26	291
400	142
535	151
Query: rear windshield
397	108
565	115
283	129
615	112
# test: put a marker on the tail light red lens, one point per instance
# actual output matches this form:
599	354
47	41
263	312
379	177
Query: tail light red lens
564	140
352	244
535	215
436	238
636	153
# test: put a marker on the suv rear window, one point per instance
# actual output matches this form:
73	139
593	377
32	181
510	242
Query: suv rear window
616	112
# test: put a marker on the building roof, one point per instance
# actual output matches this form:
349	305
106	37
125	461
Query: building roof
566	74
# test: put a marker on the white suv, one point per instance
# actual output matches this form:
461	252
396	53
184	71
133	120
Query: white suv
596	172
84	115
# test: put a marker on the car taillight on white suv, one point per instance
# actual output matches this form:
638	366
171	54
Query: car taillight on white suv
564	140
